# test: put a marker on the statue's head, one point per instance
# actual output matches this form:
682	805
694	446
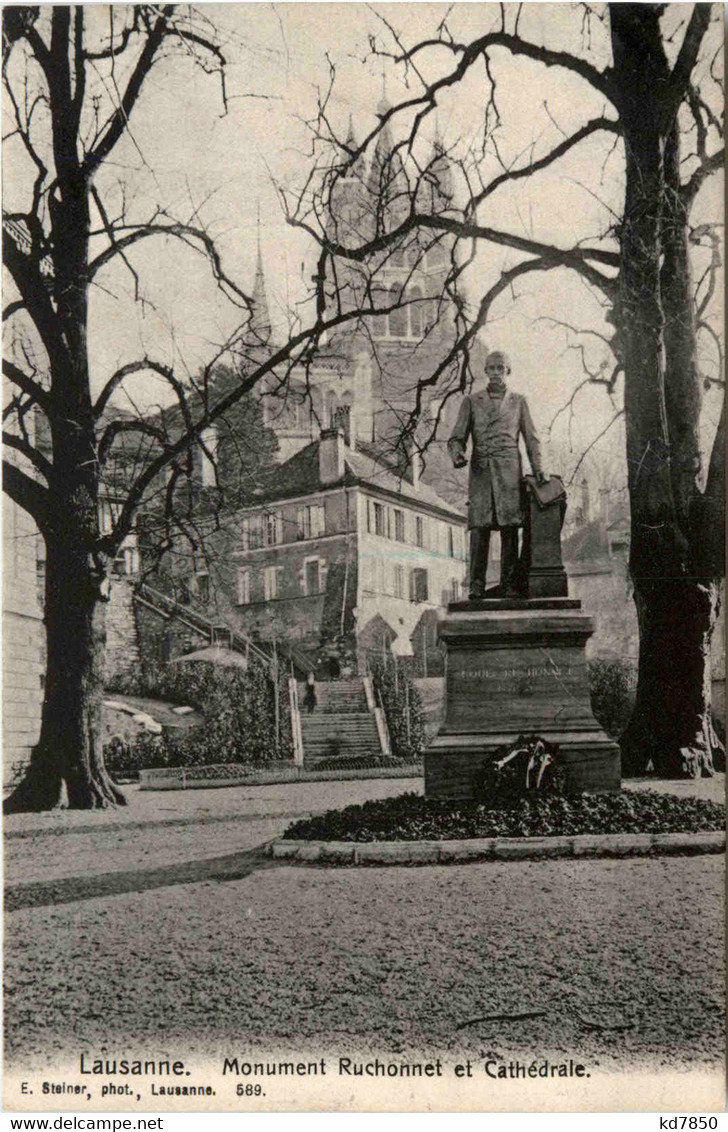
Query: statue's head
497	367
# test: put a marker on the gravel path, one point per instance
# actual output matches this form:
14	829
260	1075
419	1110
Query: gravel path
164	928
389	961
161	828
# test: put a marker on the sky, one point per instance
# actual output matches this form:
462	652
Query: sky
228	168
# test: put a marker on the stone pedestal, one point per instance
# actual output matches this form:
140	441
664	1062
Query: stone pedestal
513	667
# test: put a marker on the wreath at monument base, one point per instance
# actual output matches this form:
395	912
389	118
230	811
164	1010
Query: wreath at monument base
531	767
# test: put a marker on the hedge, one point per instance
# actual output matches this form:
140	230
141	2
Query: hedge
239	709
399	698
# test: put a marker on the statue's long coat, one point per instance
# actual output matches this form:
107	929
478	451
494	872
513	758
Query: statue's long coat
494	426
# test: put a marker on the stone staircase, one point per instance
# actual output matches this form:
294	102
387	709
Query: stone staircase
342	726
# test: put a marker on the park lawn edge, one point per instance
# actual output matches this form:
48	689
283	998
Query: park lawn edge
471	850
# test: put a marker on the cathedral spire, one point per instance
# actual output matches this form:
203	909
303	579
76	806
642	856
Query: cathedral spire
385	167
352	144
259	331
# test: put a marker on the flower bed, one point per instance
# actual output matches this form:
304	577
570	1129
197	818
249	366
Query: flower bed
410	817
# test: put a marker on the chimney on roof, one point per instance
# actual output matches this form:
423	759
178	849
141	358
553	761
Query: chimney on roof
415	466
331	455
341	419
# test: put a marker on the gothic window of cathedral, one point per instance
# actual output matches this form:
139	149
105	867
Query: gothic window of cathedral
398	318
415	311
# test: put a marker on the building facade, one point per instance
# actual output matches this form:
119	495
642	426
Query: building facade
345	556
23	640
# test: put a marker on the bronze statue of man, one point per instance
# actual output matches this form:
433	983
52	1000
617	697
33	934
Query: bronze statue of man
494	418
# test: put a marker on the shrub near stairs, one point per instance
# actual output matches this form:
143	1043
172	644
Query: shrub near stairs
399	697
239	709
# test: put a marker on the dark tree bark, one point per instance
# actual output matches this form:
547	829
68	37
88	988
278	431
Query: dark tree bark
67	765
676	589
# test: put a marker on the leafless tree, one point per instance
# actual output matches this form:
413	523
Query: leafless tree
74	79
659	83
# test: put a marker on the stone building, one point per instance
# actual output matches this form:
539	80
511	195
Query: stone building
23	639
345	555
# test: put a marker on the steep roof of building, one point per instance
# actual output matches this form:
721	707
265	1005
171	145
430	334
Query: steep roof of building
300	476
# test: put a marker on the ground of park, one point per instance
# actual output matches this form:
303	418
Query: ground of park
166	926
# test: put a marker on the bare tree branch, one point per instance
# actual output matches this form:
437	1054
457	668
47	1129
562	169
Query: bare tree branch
591	445
118	122
687	58
187	234
586	131
22	445
27	384
27	493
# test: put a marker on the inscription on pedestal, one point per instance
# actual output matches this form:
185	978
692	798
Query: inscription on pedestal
517	668
504	688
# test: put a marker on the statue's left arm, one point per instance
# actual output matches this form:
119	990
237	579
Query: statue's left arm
531	437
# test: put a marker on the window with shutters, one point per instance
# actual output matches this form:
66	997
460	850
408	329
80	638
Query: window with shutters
312	576
251	533
273	528
379	527
311	521
418	584
271	582
243	586
419	531
399	526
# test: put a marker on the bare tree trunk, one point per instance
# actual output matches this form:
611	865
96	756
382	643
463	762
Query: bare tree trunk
670	725
67	765
677	599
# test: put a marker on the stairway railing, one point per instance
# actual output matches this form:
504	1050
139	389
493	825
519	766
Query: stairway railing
239	642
